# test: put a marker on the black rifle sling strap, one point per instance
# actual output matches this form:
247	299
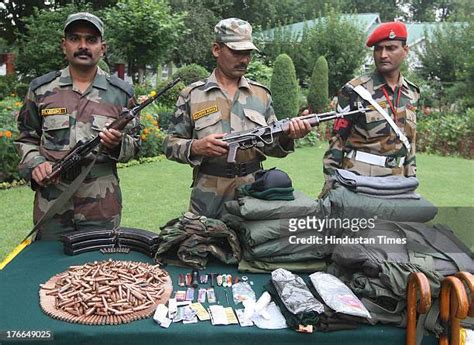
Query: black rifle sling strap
65	196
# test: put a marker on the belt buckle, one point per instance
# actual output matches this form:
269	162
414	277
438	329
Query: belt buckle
391	162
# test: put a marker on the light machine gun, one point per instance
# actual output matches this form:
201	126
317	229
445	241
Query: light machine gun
83	148
266	134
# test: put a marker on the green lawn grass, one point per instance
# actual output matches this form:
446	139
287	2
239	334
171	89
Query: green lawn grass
154	193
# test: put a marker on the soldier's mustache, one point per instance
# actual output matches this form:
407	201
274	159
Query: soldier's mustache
241	66
82	52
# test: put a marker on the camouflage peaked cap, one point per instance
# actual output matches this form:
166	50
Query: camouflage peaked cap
235	33
87	17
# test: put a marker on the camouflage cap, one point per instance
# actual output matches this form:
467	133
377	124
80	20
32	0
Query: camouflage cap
235	33
85	16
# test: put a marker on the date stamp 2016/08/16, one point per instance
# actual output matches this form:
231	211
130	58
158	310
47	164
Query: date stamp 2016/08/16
25	335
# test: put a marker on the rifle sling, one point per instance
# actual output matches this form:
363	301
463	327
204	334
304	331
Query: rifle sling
65	196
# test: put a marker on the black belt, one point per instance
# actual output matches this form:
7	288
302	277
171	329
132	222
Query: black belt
231	170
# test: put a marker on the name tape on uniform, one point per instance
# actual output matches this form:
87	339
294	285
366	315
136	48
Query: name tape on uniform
207	111
53	111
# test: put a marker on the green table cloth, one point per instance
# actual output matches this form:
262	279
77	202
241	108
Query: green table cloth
20	310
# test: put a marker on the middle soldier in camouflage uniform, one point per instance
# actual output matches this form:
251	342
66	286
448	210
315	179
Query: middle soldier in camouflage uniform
225	102
367	144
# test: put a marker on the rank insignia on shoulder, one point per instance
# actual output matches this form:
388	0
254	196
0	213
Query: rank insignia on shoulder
204	112
53	111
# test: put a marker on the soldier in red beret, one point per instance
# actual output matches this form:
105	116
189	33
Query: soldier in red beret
367	144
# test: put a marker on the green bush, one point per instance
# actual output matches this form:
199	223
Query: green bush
446	134
21	89
103	65
7	86
151	135
143	89
168	100
318	96
258	71
164	116
9	107
191	73
284	87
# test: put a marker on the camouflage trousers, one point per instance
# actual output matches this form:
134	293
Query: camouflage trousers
97	204
211	192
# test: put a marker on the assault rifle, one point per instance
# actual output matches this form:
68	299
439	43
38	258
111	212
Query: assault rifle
266	134
83	148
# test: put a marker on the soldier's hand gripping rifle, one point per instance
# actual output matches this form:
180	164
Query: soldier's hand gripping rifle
83	148
267	134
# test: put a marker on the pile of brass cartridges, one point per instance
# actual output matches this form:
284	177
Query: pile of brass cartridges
106	292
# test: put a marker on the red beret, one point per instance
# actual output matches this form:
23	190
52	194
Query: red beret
388	31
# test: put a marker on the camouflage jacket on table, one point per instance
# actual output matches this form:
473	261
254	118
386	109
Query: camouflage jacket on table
203	108
193	239
370	132
54	117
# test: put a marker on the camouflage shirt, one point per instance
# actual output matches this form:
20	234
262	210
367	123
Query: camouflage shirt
370	132
203	108
55	116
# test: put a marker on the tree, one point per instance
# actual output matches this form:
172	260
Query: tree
191	73
318	89
259	71
194	43
40	47
284	87
343	45
387	9
14	14
446	63
143	32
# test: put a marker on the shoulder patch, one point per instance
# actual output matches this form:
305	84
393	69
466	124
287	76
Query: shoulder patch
187	90
360	80
258	84
44	79
121	84
413	85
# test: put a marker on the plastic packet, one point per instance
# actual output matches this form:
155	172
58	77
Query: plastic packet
242	291
294	293
337	295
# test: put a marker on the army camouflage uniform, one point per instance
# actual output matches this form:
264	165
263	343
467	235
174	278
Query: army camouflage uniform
203	108
54	117
371	133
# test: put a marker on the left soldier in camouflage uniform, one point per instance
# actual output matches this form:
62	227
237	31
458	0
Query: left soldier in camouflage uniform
225	102
63	108
367	144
